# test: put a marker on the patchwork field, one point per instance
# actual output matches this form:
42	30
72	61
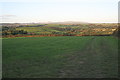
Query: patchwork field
22	30
60	57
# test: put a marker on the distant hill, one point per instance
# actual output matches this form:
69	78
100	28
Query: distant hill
66	22
71	22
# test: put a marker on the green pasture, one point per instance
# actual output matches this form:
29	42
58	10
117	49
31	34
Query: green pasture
60	57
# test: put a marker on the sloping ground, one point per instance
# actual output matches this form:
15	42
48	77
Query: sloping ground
60	57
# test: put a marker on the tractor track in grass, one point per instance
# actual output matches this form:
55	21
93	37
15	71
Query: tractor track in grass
90	62
74	63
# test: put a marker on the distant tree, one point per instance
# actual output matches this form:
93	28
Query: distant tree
4	33
67	34
117	32
12	31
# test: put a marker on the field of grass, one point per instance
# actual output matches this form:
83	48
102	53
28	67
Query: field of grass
38	30
60	57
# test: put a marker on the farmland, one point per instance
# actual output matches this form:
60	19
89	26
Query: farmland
60	57
18	30
59	39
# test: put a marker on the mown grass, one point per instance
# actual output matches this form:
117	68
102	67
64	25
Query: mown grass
60	57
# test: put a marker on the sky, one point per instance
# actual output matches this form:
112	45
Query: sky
27	11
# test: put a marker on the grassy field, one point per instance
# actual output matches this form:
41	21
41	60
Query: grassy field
60	57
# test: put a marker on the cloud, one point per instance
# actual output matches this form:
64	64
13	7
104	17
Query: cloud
7	16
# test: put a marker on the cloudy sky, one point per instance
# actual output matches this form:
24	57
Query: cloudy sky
94	11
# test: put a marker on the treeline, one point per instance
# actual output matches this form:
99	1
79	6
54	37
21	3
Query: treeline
117	32
12	31
40	25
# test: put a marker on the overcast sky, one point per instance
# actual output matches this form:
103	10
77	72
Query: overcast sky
100	11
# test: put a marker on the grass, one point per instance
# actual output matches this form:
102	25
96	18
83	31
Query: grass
37	29
60	57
